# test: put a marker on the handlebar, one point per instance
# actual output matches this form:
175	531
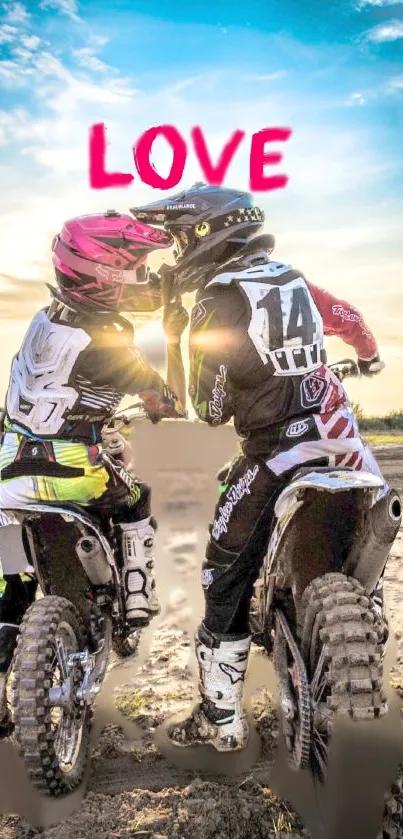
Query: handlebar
123	418
349	369
127	415
346	369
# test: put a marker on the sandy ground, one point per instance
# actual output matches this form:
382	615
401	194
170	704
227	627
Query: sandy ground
137	787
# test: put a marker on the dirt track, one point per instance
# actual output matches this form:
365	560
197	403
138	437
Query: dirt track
135	789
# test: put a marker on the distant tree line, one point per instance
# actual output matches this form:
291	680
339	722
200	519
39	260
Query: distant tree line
393	421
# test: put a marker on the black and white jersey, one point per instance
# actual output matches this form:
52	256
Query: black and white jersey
68	377
257	349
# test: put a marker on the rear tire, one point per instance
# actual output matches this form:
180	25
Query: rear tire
341	637
54	767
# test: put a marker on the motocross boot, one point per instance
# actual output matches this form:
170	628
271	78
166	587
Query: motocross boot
138	569
219	720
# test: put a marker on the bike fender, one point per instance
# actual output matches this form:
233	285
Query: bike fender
13	559
337	481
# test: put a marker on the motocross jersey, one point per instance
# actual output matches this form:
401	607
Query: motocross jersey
70	375
257	353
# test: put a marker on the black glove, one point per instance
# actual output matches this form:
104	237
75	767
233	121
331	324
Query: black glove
370	368
154	280
175	322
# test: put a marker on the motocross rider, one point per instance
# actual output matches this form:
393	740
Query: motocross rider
257	356
76	363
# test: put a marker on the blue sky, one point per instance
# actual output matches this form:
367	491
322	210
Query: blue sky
332	71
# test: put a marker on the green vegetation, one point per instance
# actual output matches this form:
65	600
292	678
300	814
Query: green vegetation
284	821
130	703
383	439
380	430
390	424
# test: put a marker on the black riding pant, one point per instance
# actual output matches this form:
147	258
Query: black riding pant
238	543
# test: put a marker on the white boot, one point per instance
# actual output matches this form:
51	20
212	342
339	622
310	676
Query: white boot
220	719
138	564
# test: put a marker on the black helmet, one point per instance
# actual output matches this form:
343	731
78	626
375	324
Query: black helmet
210	225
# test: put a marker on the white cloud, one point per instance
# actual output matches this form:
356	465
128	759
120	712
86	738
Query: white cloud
87	59
7	34
71	159
68	99
19	127
355	99
97	41
31	42
184	84
17	13
391	30
266	77
328	163
363	3
14	73
395	85
65	7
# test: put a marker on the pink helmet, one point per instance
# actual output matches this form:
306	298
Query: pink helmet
100	261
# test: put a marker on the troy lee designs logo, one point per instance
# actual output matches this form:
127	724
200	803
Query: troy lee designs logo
234	495
353	317
219	394
297	429
313	390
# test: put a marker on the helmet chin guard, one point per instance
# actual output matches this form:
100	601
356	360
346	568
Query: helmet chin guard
210	226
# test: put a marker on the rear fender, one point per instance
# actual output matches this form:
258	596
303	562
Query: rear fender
330	481
305	542
13	555
47	535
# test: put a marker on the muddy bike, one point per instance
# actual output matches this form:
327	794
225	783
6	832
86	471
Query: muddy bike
67	635
312	608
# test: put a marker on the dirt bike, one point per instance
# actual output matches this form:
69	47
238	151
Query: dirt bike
66	636
312	608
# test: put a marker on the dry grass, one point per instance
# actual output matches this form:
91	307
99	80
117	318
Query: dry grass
383	439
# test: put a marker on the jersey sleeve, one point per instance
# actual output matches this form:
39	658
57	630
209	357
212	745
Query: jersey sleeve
209	385
123	367
344	321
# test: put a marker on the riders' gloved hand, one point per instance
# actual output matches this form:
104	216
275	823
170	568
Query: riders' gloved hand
370	368
154	280
159	406
171	406
175	322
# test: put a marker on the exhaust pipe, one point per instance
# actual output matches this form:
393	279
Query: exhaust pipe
93	559
369	554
